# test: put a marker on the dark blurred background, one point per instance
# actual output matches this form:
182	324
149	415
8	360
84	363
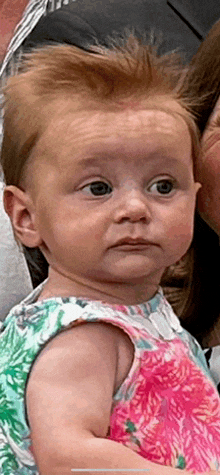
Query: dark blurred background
184	23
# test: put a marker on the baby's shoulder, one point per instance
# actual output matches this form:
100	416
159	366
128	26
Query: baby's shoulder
88	349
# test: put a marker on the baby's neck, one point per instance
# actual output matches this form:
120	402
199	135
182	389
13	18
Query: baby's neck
59	285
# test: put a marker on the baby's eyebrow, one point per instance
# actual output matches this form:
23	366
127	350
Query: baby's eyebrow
90	162
152	160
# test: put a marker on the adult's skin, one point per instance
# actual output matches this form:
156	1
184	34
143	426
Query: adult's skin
204	83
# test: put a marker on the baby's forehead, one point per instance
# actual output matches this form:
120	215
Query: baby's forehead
142	131
72	141
94	126
101	116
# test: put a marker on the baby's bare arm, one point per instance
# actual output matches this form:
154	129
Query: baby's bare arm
69	400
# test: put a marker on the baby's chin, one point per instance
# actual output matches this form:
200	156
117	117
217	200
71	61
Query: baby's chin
133	276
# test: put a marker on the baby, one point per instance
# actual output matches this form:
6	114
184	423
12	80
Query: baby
96	372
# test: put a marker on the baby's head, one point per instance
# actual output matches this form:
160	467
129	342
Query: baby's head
98	155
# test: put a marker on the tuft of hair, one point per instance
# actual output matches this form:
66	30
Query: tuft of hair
98	80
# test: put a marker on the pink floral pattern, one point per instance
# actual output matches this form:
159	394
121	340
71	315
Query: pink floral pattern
167	409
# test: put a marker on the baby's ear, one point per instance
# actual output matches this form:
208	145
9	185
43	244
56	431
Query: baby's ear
20	209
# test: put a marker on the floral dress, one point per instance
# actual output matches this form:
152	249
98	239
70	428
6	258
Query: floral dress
167	409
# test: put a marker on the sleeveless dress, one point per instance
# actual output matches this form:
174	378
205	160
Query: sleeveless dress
167	409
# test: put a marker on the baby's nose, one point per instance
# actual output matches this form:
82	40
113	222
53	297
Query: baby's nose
133	207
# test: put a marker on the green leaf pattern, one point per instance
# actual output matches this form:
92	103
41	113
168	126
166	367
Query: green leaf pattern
24	333
26	330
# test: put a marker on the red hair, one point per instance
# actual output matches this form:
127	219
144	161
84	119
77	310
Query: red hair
102	79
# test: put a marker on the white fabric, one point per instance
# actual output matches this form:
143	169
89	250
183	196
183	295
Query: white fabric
215	363
33	12
213	360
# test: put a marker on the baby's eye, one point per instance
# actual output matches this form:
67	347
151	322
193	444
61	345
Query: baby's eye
162	187
98	188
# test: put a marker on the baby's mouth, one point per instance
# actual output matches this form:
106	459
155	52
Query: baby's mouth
129	244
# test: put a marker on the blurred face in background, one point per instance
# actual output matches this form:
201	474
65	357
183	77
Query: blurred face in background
208	172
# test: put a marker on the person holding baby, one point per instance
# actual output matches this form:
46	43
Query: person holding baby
203	86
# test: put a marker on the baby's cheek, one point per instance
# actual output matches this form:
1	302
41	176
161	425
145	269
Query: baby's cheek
180	235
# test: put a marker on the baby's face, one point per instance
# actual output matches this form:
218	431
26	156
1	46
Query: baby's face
208	172
114	194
